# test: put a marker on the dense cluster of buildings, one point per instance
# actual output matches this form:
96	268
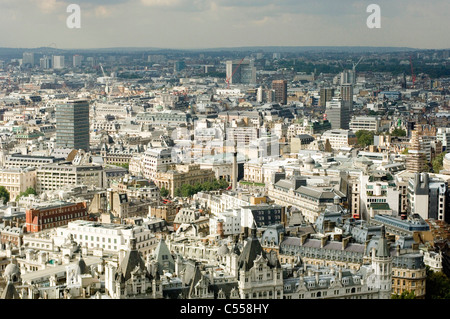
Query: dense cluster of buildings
210	178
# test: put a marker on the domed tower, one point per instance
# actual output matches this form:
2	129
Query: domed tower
309	163
12	277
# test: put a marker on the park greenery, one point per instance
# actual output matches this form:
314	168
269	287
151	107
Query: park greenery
398	132
164	192
187	190
365	138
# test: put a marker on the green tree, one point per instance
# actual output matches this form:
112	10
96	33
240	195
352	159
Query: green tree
164	192
438	162
4	194
398	132
404	295
223	184
187	190
438	285
365	138
28	191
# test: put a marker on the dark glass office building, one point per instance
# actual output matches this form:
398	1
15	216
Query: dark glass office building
72	125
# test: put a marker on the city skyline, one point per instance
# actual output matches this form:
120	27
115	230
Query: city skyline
185	24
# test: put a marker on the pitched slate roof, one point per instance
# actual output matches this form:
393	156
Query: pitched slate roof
129	263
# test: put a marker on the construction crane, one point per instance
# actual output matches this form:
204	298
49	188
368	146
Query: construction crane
107	88
228	79
412	72
355	65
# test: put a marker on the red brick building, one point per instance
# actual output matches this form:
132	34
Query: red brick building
56	214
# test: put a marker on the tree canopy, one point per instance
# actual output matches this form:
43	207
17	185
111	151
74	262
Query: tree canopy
438	162
365	138
398	132
404	295
438	285
4	194
164	192
187	190
28	191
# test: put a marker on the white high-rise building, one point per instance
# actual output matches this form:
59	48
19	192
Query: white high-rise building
58	61
77	59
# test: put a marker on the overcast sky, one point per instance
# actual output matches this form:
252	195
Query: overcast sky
224	23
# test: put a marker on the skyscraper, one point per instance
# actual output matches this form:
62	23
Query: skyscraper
280	88
45	62
72	124
58	61
338	114
348	77
77	59
347	96
326	94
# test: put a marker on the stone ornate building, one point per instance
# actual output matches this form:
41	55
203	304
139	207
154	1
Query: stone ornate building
132	277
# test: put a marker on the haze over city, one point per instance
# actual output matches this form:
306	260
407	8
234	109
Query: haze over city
188	24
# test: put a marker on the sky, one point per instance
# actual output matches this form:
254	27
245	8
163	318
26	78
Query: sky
200	24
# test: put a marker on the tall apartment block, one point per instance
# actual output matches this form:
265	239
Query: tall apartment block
72	125
338	114
280	88
58	62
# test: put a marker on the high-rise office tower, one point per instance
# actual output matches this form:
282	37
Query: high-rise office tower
338	114
348	77
72	124
28	58
45	62
243	73
179	66
326	94
58	61
347	96
77	59
347	92
280	88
